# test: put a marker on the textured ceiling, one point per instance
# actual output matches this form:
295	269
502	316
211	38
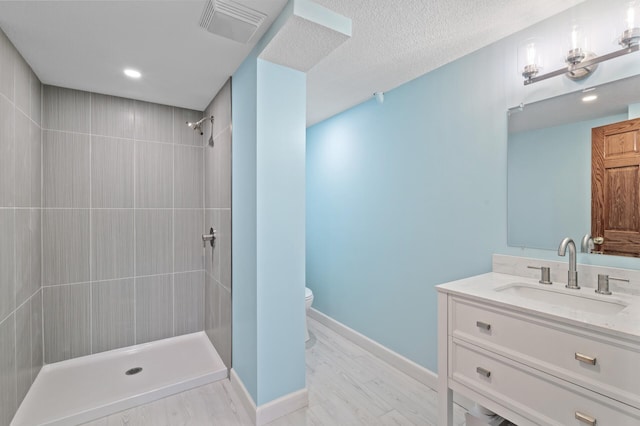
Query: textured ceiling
395	41
86	44
300	44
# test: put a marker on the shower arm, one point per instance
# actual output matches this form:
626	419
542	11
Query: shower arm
198	124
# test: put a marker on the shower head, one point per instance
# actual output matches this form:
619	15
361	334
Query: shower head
197	125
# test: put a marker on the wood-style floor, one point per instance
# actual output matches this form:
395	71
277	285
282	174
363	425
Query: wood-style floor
347	386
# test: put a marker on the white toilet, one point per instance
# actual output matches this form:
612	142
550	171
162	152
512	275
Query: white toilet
308	300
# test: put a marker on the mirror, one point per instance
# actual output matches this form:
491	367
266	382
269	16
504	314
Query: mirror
549	161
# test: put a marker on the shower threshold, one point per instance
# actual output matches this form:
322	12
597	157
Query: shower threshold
87	388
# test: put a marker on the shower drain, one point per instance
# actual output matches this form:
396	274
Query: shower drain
132	371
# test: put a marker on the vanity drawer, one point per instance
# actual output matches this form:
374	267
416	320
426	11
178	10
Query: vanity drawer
539	397
557	349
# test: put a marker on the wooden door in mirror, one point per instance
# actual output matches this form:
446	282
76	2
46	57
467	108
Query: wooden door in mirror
615	188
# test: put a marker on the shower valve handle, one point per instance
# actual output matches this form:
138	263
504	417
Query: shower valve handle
211	236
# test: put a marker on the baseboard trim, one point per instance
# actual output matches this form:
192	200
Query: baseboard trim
410	368
272	410
245	399
282	406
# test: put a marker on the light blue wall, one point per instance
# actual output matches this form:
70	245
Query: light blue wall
403	196
243	221
412	193
281	230
268	226
549	180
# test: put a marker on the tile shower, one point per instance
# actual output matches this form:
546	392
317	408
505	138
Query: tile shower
103	201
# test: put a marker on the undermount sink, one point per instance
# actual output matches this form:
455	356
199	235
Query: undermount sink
578	299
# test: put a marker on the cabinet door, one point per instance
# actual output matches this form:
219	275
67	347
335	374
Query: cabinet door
539	397
559	350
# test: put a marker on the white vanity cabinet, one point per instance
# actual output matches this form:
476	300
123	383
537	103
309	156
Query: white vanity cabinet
533	367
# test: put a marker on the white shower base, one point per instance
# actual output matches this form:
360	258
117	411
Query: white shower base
86	388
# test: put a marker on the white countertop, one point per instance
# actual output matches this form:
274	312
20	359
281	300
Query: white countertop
624	324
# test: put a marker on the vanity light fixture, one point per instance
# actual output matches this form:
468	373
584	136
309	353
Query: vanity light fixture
581	63
132	73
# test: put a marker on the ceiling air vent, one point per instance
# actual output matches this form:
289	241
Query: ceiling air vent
231	20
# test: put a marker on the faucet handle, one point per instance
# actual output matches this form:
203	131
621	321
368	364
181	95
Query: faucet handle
545	274
603	284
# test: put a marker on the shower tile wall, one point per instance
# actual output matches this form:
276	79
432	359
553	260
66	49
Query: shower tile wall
20	238
122	218
217	190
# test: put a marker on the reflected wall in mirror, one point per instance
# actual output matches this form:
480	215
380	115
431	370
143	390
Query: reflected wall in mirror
549	161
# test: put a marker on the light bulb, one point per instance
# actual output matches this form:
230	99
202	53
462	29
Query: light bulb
132	73
631	17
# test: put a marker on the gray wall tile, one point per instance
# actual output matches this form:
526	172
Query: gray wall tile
188	249
154	242
188	177
65	246
223	169
8	56
22	160
7	153
23	350
218	172
7	263
183	134
112	314
154	122
66	322
66	109
36	99
112	116
189	302
36	335
35	177
224	346
8	402
221	108
218	318
225	248
22	76
112	242
111	172
211	307
154	175
211	177
27	162
212	254
28	253
66	164
154	308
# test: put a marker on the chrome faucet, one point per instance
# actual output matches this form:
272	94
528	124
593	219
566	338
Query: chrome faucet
586	246
572	280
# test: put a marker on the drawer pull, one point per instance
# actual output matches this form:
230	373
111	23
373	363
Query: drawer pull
586	359
483	325
483	371
591	421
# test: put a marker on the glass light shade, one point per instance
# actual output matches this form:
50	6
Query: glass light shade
530	57
577	45
630	28
631	16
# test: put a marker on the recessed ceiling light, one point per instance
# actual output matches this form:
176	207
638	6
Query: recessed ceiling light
132	73
590	98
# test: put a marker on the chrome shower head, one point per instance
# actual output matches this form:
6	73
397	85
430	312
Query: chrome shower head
197	125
